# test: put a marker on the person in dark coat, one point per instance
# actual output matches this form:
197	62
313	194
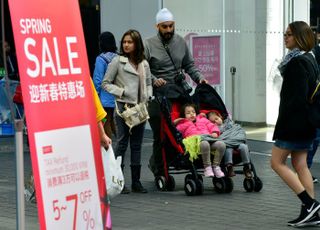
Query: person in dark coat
293	134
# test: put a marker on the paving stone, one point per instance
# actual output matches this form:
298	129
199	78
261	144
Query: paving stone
269	209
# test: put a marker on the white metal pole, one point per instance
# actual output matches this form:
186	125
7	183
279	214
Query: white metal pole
160	4
20	175
223	76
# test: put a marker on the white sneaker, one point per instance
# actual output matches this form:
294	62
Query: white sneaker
208	172
217	171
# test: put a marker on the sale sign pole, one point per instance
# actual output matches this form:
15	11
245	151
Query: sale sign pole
18	123
61	118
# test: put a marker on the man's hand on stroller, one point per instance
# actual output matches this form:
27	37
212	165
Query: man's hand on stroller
203	81
159	82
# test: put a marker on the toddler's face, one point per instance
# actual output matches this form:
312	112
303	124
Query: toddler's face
215	119
190	113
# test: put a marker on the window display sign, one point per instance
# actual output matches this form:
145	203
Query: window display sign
206	54
60	114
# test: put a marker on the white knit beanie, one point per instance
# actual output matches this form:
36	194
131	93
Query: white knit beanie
164	15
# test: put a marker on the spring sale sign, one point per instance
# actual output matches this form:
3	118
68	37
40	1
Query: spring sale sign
60	114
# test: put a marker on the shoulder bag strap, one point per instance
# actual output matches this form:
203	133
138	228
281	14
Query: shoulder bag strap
166	47
313	62
117	110
315	91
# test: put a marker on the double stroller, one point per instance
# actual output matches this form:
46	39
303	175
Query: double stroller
176	159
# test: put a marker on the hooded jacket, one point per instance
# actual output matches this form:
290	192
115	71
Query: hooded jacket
101	67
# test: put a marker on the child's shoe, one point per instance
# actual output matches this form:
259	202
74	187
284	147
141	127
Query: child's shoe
217	171
208	172
247	171
230	170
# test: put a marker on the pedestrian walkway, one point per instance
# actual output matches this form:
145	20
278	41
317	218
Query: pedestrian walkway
269	209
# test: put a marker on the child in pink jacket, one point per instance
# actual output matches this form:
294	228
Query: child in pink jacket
190	124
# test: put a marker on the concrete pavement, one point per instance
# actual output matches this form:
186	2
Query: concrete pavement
269	209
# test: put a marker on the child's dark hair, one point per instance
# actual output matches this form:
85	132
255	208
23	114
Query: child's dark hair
183	108
214	113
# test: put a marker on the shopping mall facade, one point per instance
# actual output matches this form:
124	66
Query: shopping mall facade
241	42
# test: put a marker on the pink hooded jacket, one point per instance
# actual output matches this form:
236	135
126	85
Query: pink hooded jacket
201	126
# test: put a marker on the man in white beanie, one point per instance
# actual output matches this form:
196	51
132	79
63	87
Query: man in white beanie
168	55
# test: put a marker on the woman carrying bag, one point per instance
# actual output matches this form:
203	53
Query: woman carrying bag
293	134
129	79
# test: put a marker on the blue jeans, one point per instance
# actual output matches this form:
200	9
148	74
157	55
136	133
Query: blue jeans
123	138
313	149
244	154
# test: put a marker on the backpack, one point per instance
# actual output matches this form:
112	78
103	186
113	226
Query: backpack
314	100
314	106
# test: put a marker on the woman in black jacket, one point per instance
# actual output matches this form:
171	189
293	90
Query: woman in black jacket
293	133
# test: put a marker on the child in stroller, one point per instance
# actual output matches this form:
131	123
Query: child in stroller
175	158
194	129
236	141
208	100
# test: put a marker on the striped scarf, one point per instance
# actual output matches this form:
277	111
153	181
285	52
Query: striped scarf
291	54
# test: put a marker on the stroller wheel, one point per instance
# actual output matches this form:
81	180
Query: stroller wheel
171	184
248	184
229	184
188	177
161	183
219	185
200	187
190	187
258	184
191	177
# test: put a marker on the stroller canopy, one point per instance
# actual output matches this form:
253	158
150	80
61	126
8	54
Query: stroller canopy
207	98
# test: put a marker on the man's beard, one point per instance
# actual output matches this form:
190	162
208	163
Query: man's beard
166	36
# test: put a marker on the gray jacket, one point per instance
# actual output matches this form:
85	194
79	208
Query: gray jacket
123	81
160	64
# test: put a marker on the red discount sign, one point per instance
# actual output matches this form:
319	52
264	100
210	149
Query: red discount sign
60	113
206	54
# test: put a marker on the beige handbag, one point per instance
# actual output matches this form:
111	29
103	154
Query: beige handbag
134	115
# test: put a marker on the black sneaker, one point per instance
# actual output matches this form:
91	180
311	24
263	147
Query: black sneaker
305	214
313	221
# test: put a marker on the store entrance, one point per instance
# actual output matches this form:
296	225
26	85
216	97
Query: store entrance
90	14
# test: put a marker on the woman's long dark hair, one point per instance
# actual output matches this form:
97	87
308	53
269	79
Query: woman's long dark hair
303	35
138	53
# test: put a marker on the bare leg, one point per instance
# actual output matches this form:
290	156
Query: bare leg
278	164
299	163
